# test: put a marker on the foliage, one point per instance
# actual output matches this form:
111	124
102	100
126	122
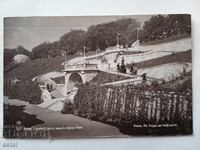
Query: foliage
68	107
124	106
166	40
53	50
173	58
41	51
103	77
104	35
164	27
8	56
10	53
33	68
73	41
21	50
97	36
23	90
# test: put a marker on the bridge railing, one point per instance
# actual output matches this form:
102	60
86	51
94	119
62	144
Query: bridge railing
81	67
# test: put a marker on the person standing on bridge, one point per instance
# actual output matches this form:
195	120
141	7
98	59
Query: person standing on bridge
122	61
123	67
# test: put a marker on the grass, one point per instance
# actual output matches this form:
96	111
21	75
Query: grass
10	67
25	89
166	40
33	68
177	57
104	77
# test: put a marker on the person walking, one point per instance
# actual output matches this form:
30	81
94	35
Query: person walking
131	69
118	67
122	61
144	77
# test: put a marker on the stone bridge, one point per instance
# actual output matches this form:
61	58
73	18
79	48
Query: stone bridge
79	73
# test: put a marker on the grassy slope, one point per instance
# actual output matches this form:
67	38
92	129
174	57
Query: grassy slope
36	67
104	77
177	57
166	40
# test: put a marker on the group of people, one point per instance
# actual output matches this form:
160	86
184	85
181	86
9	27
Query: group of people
122	68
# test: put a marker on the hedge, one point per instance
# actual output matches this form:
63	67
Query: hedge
126	105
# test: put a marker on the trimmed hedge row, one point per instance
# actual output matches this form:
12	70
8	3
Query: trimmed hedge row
127	105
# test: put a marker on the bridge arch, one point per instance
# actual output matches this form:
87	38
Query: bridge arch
72	79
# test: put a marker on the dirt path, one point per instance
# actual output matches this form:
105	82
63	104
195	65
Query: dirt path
87	128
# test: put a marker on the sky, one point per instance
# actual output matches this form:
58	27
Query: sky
31	31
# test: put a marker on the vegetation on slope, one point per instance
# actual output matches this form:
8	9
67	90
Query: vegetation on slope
10	53
104	77
24	90
163	27
33	68
166	40
176	57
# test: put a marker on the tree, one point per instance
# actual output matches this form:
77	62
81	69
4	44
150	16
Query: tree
98	36
160	27
105	35
41	51
8	56
180	24
154	28
54	49
21	50
72	42
10	53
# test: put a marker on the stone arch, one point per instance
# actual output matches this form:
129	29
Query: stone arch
72	79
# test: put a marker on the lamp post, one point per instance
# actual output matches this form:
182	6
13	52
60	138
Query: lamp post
118	34
84	50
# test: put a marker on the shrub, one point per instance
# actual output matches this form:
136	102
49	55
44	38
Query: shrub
23	90
68	107
127	105
104	77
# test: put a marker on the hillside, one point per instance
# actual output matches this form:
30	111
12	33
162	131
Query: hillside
185	56
30	69
166	40
104	77
37	67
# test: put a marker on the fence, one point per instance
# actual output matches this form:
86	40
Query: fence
127	105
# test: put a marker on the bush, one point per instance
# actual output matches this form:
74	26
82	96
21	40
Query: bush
68	107
103	77
123	106
23	90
